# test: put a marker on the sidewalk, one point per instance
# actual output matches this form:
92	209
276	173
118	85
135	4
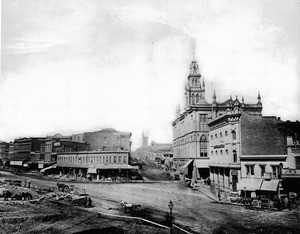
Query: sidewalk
211	193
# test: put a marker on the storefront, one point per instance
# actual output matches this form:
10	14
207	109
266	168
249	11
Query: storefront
250	186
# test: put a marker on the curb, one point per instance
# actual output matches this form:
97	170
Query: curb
139	220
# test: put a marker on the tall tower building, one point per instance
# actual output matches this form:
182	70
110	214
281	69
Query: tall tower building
194	91
190	128
145	140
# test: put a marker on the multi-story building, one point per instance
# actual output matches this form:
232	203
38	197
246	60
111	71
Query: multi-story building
105	140
190	128
246	151
26	152
96	163
4	151
290	174
58	143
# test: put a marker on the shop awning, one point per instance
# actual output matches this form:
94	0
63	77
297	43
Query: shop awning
202	163
92	170
116	166
50	167
16	163
251	184
101	166
270	185
187	163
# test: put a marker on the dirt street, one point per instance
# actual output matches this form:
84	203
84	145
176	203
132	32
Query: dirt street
193	210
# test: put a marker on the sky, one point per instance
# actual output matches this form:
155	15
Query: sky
70	66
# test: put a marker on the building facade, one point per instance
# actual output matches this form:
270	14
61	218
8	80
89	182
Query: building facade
4	151
107	139
190	128
96	163
247	150
27	152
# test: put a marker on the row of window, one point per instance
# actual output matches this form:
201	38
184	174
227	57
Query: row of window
188	139
233	134
250	170
91	159
195	98
234	153
186	151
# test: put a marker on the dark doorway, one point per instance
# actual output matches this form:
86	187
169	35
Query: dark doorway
234	182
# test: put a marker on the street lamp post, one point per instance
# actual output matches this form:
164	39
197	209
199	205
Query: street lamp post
171	208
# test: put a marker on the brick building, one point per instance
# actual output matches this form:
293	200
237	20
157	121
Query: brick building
27	152
107	139
246	151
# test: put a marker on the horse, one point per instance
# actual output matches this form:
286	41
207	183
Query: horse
62	187
6	194
17	197
26	196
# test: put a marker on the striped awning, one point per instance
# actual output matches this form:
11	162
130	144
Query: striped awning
250	184
187	163
270	185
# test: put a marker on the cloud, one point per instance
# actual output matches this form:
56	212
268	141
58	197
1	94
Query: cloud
71	66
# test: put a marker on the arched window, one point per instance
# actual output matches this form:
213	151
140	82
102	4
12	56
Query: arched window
193	99
233	135
203	146
234	156
197	98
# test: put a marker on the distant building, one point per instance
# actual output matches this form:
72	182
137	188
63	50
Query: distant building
145	139
27	152
162	152
107	139
190	128
4	151
55	146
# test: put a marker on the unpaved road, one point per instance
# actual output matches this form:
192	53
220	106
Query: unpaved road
192	209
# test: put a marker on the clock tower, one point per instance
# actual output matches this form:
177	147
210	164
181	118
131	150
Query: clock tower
194	87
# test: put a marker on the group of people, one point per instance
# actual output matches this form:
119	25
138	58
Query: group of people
279	203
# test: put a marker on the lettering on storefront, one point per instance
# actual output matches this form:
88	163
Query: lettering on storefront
290	172
219	146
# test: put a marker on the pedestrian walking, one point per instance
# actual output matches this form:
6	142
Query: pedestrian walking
219	195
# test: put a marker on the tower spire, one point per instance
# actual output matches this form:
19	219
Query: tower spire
258	97
214	97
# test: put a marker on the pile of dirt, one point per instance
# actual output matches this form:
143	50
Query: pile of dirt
151	171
